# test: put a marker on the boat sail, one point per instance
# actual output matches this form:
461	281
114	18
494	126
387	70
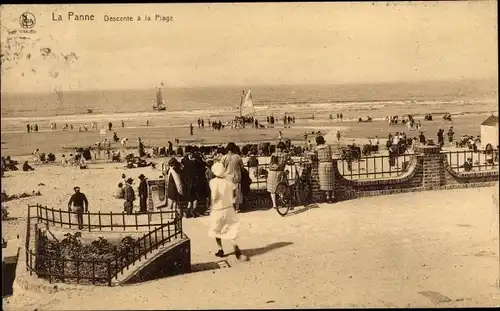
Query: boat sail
246	106
160	102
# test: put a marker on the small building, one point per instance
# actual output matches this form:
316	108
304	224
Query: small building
489	132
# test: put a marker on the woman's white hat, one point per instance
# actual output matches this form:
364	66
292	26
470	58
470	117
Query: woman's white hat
218	169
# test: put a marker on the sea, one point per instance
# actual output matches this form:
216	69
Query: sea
353	100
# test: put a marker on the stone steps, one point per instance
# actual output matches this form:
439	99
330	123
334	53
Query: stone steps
134	269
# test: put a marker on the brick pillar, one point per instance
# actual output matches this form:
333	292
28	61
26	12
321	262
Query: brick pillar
432	163
317	195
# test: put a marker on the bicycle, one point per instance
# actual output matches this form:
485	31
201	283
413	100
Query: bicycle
294	193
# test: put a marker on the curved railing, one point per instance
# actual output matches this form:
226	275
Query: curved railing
376	166
258	173
93	271
482	160
100	221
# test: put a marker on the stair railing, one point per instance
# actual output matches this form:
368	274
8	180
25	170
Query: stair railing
146	245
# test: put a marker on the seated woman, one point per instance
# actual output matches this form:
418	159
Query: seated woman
83	163
120	192
10	164
64	161
27	167
488	151
467	166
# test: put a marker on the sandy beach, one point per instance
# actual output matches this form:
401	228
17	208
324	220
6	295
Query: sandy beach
411	250
18	143
154	71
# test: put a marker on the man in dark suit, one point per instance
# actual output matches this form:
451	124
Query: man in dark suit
143	194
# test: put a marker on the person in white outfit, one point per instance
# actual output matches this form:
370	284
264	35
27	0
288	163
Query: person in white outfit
224	222
124	142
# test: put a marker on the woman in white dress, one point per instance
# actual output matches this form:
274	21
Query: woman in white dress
224	222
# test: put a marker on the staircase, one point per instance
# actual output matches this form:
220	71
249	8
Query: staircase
163	251
167	260
159	253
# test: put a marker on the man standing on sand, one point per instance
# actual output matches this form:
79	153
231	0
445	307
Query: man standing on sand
129	197
421	138
143	194
190	128
224	222
80	205
450	135
440	136
338	136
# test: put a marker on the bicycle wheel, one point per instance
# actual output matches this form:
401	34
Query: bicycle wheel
283	200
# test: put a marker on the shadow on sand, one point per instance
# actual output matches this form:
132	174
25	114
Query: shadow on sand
252	252
207	266
301	209
222	263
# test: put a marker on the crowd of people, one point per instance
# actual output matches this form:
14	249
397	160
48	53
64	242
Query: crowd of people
340	117
83	128
31	128
189	178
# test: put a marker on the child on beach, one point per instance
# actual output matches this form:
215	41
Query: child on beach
64	161
224	222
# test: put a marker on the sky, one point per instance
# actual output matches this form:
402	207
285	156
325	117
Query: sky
254	44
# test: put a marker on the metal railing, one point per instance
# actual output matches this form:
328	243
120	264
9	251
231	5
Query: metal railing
372	167
96	271
482	160
258	173
99	221
147	244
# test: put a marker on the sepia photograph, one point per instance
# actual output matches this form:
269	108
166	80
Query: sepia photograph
250	155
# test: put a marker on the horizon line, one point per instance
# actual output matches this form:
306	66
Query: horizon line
245	86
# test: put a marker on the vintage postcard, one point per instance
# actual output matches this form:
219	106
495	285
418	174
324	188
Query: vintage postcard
250	155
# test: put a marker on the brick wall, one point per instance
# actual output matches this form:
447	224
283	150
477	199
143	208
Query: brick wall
428	170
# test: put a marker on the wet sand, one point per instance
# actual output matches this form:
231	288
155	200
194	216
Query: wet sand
158	134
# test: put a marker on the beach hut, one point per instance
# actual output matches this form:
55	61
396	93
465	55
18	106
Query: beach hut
489	131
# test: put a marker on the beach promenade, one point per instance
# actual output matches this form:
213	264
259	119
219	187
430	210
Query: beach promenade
407	250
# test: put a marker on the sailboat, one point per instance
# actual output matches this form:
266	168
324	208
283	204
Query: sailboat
160	102
246	105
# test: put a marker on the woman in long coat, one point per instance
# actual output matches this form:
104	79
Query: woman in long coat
201	182
277	170
190	179
174	184
325	168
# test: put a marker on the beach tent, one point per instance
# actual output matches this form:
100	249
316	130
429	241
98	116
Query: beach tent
489	131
